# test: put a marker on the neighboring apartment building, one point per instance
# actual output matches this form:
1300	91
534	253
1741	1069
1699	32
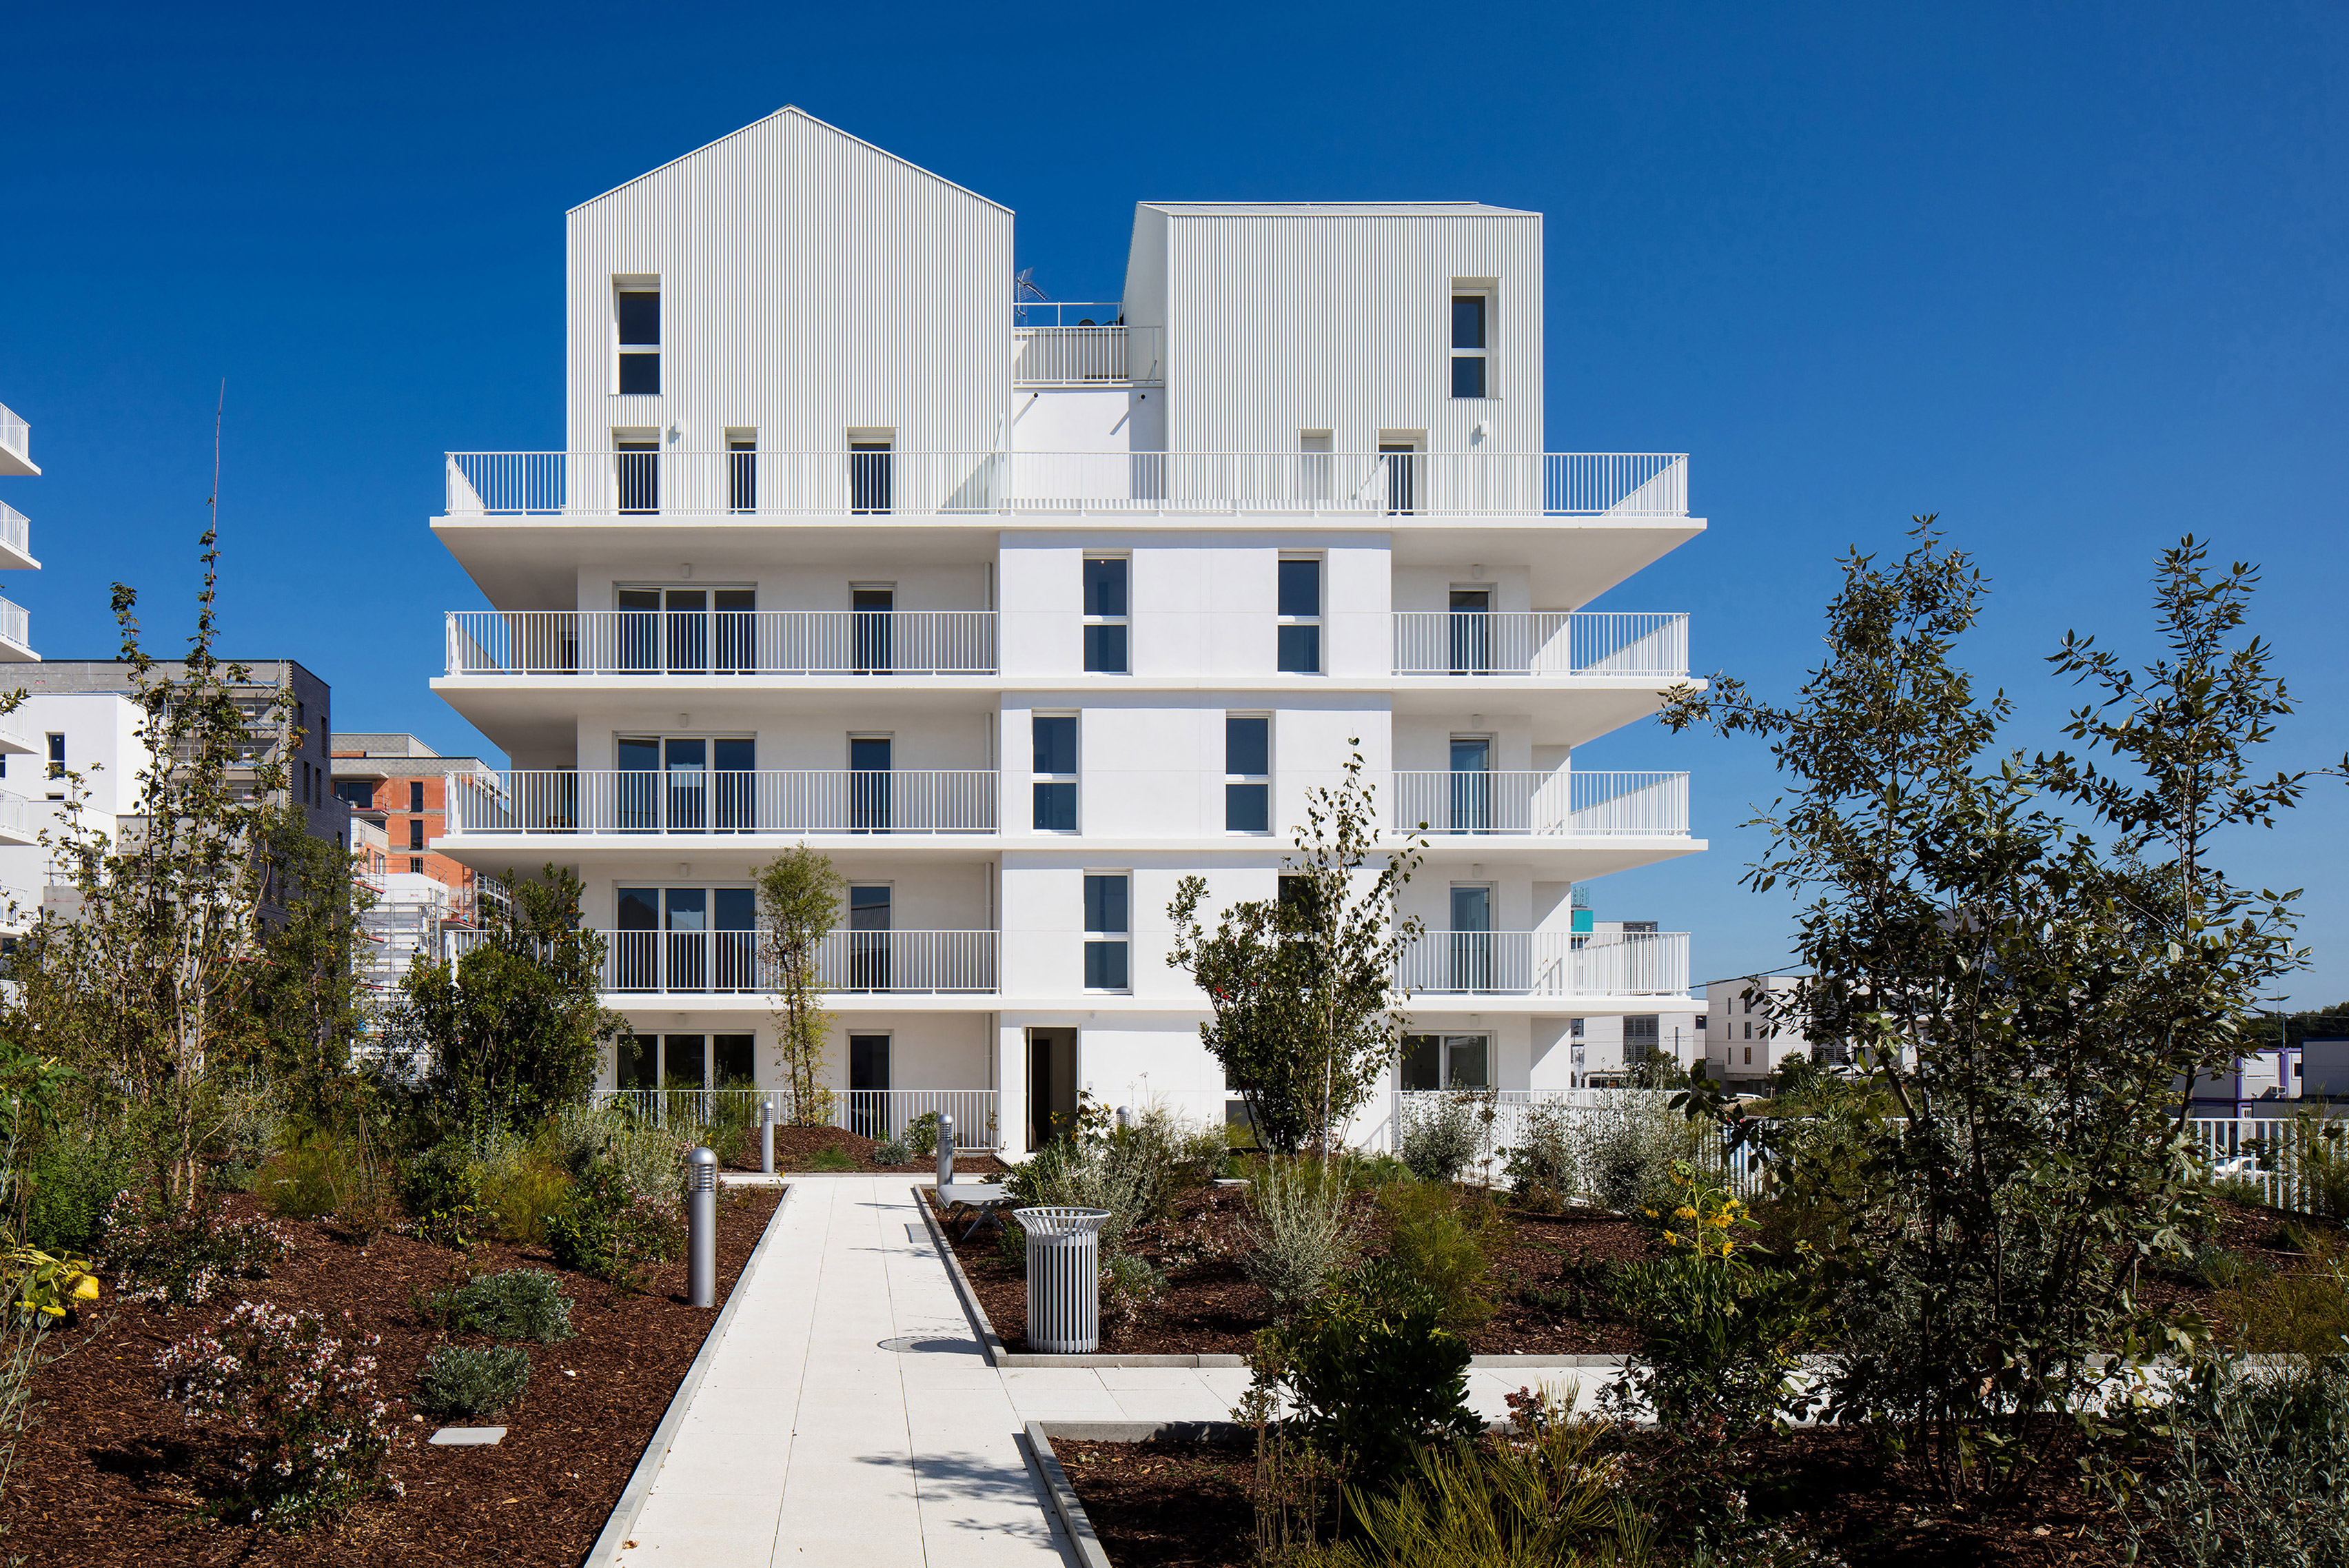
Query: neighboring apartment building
21	821
401	785
1021	622
1743	1045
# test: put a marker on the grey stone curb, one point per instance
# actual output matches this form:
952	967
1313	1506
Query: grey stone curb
623	1519
996	1355
1056	1480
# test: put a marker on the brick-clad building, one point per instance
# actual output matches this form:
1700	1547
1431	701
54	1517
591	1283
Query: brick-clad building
400	783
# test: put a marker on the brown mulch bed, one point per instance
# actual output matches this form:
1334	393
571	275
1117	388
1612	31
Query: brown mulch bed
799	1148
111	1478
1551	1295
1165	1504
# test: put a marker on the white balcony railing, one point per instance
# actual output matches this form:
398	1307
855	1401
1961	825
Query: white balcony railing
751	485
16	439
1544	964
722	641
1539	643
14	532
15	625
852	962
1081	355
22	821
877	1113
836	800
1558	803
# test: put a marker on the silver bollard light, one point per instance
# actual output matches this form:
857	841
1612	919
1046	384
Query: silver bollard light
767	1135
1124	1118
945	1150
701	1228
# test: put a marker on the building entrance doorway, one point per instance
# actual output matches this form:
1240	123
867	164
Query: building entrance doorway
1052	1084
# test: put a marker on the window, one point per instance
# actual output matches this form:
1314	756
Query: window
683	939
1299	609
416	867
1105	615
358	793
56	756
1445	1061
741	471
1641	1037
414	832
416	795
1248	773
1054	735
1749	1056
1108	929
869	473
639	323
683	631
1469	326
636	470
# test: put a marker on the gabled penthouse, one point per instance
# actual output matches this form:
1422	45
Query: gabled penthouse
1021	611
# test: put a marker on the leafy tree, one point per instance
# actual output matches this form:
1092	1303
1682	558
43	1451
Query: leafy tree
800	896
2027	994
1306	1012
147	989
512	1031
307	993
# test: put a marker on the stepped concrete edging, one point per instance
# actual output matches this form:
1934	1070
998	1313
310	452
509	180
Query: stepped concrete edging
1056	1480
996	1355
623	1517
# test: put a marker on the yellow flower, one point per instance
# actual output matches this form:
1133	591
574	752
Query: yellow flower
1683	1212
1671	1239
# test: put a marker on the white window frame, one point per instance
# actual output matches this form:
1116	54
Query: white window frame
638	282
1262	780
1319	620
1489	291
1073	780
1123	939
1090	619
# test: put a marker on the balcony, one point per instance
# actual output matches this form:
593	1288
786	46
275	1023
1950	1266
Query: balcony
1086	355
874	963
1557	803
16	635
681	802
722	641
16	541
752	486
1540	643
1544	964
22	821
15	446
877	1113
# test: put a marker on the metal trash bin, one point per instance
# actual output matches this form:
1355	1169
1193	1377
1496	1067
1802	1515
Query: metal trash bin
1063	1279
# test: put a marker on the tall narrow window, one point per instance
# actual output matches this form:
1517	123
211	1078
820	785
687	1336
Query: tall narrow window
1469	311
869	474
1248	773
1402	461
57	755
1108	930
416	794
1055	738
1105	615
636	472
639	323
1299	608
414	832
741	471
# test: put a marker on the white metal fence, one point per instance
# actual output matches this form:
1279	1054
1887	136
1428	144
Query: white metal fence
14	532
1545	964
722	641
880	483
878	1114
1539	643
696	801
15	625
1075	355
1531	802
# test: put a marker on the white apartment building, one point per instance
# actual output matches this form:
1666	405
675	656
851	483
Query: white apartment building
21	819
1022	613
1744	1039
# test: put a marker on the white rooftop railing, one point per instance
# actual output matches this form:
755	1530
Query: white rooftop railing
753	485
1539	643
1549	803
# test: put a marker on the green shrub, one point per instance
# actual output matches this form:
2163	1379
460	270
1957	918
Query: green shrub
178	1258
2257	1474
523	1186
1371	1371
832	1157
519	1304
1130	1290
893	1152
462	1382
1543	1160
69	1181
1011	1247
1626	1145
1299	1229
1439	1140
300	1181
612	1234
442	1189
921	1134
2303	1313
1443	1241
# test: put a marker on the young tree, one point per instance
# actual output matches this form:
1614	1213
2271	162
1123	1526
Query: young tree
147	988
2026	995
1307	1010
307	993
800	896
512	1031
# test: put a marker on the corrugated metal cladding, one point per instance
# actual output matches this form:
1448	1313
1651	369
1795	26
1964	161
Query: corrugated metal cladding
1321	318
809	283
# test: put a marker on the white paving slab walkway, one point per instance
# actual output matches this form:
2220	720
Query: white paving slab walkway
849	1418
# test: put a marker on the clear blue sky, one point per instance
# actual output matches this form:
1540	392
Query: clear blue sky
2070	276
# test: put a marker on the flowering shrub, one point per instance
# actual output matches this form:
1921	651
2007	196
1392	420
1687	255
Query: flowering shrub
180	1259
309	1430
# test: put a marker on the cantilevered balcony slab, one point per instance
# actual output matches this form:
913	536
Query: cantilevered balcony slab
15	446
16	635
16	541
